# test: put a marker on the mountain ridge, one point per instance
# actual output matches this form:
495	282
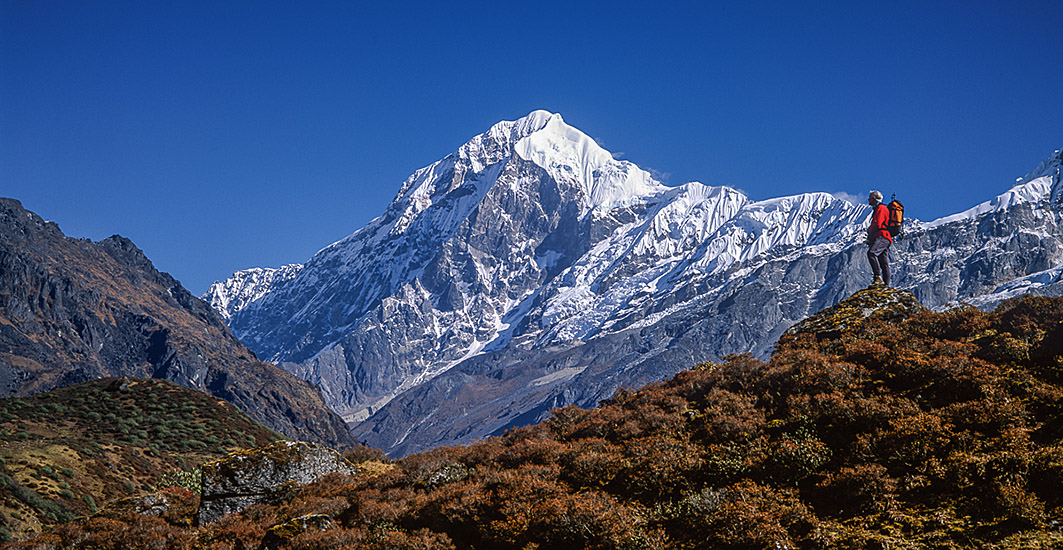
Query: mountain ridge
504	250
73	310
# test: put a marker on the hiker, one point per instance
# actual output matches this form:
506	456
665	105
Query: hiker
879	240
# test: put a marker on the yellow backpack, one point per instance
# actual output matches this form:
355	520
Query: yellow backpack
896	219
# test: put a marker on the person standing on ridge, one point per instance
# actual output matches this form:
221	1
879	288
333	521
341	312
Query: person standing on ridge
879	240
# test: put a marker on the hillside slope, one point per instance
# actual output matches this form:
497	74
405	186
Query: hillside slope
875	424
71	451
72	310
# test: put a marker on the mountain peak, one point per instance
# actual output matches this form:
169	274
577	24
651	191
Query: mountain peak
532	250
1043	183
245	286
568	154
1049	167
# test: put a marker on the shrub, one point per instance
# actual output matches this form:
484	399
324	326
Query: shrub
189	480
852	491
729	416
365	453
795	456
744	515
659	468
90	502
384	539
55	511
591	463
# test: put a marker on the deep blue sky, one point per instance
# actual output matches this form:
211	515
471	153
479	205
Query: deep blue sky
225	135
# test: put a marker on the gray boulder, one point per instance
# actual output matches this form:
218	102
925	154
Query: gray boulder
264	474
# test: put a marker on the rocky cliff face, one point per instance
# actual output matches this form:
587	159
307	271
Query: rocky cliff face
74	310
530	270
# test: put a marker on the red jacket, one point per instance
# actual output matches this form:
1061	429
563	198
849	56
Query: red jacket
879	219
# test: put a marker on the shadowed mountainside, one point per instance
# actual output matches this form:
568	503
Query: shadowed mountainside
72	310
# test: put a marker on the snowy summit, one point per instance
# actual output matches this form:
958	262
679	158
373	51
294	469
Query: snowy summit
531	245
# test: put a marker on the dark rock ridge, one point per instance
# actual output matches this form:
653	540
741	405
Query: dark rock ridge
73	310
264	474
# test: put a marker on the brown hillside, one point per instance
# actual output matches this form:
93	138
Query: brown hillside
69	452
917	430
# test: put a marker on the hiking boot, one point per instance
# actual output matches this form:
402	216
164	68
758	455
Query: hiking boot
877	281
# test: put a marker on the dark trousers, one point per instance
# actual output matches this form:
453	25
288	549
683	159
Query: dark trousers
878	256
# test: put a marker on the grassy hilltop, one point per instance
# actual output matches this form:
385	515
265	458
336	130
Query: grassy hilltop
67	452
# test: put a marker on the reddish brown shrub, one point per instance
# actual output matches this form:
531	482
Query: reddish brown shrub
987	417
591	463
1019	505
364	453
843	417
379	539
911	442
740	372
658	468
563	421
743	515
131	531
728	416
373	506
1046	476
573	520
864	489
794	456
530	450
235	532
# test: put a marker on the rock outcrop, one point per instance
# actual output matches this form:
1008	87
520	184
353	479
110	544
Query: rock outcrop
176	507
878	302
264	474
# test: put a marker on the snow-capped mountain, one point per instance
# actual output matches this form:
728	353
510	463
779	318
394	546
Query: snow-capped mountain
246	286
530	269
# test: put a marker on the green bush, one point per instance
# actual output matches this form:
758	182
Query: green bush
55	511
189	480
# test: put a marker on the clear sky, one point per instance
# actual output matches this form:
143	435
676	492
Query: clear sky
223	135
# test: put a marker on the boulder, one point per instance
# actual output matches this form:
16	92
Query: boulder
264	474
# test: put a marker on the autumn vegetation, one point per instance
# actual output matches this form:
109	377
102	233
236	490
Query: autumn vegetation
68	452
944	430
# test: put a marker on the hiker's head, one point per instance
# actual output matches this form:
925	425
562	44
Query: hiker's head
874	198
